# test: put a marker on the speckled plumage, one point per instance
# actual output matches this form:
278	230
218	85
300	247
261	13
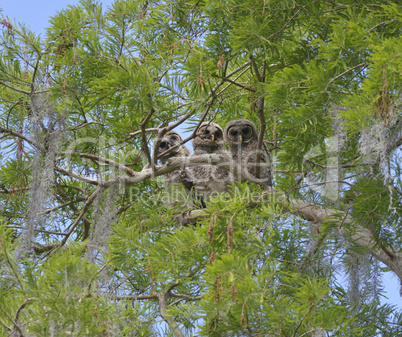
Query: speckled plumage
242	137
169	140
209	180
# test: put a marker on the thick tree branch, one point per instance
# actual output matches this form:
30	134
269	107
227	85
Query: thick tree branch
163	311
343	224
349	230
352	232
173	164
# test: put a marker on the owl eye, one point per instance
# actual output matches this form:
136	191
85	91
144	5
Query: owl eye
206	132
234	133
245	131
163	145
218	134
173	138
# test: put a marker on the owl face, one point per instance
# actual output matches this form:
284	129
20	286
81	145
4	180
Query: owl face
209	138
241	132
169	140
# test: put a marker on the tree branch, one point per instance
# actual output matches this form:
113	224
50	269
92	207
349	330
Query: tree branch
185	297
19	135
12	321
144	146
134	298
15	89
77	176
341	74
163	311
126	169
88	203
240	85
263	124
350	231
353	233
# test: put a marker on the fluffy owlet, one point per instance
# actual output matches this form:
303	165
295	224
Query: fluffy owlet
209	180
242	137
169	140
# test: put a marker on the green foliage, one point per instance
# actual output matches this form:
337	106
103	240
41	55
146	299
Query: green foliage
85	251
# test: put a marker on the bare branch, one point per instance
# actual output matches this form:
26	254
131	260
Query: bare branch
244	65
5	324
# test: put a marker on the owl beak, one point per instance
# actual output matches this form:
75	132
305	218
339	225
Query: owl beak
212	138
241	139
169	146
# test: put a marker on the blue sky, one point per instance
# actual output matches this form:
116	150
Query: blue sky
36	14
